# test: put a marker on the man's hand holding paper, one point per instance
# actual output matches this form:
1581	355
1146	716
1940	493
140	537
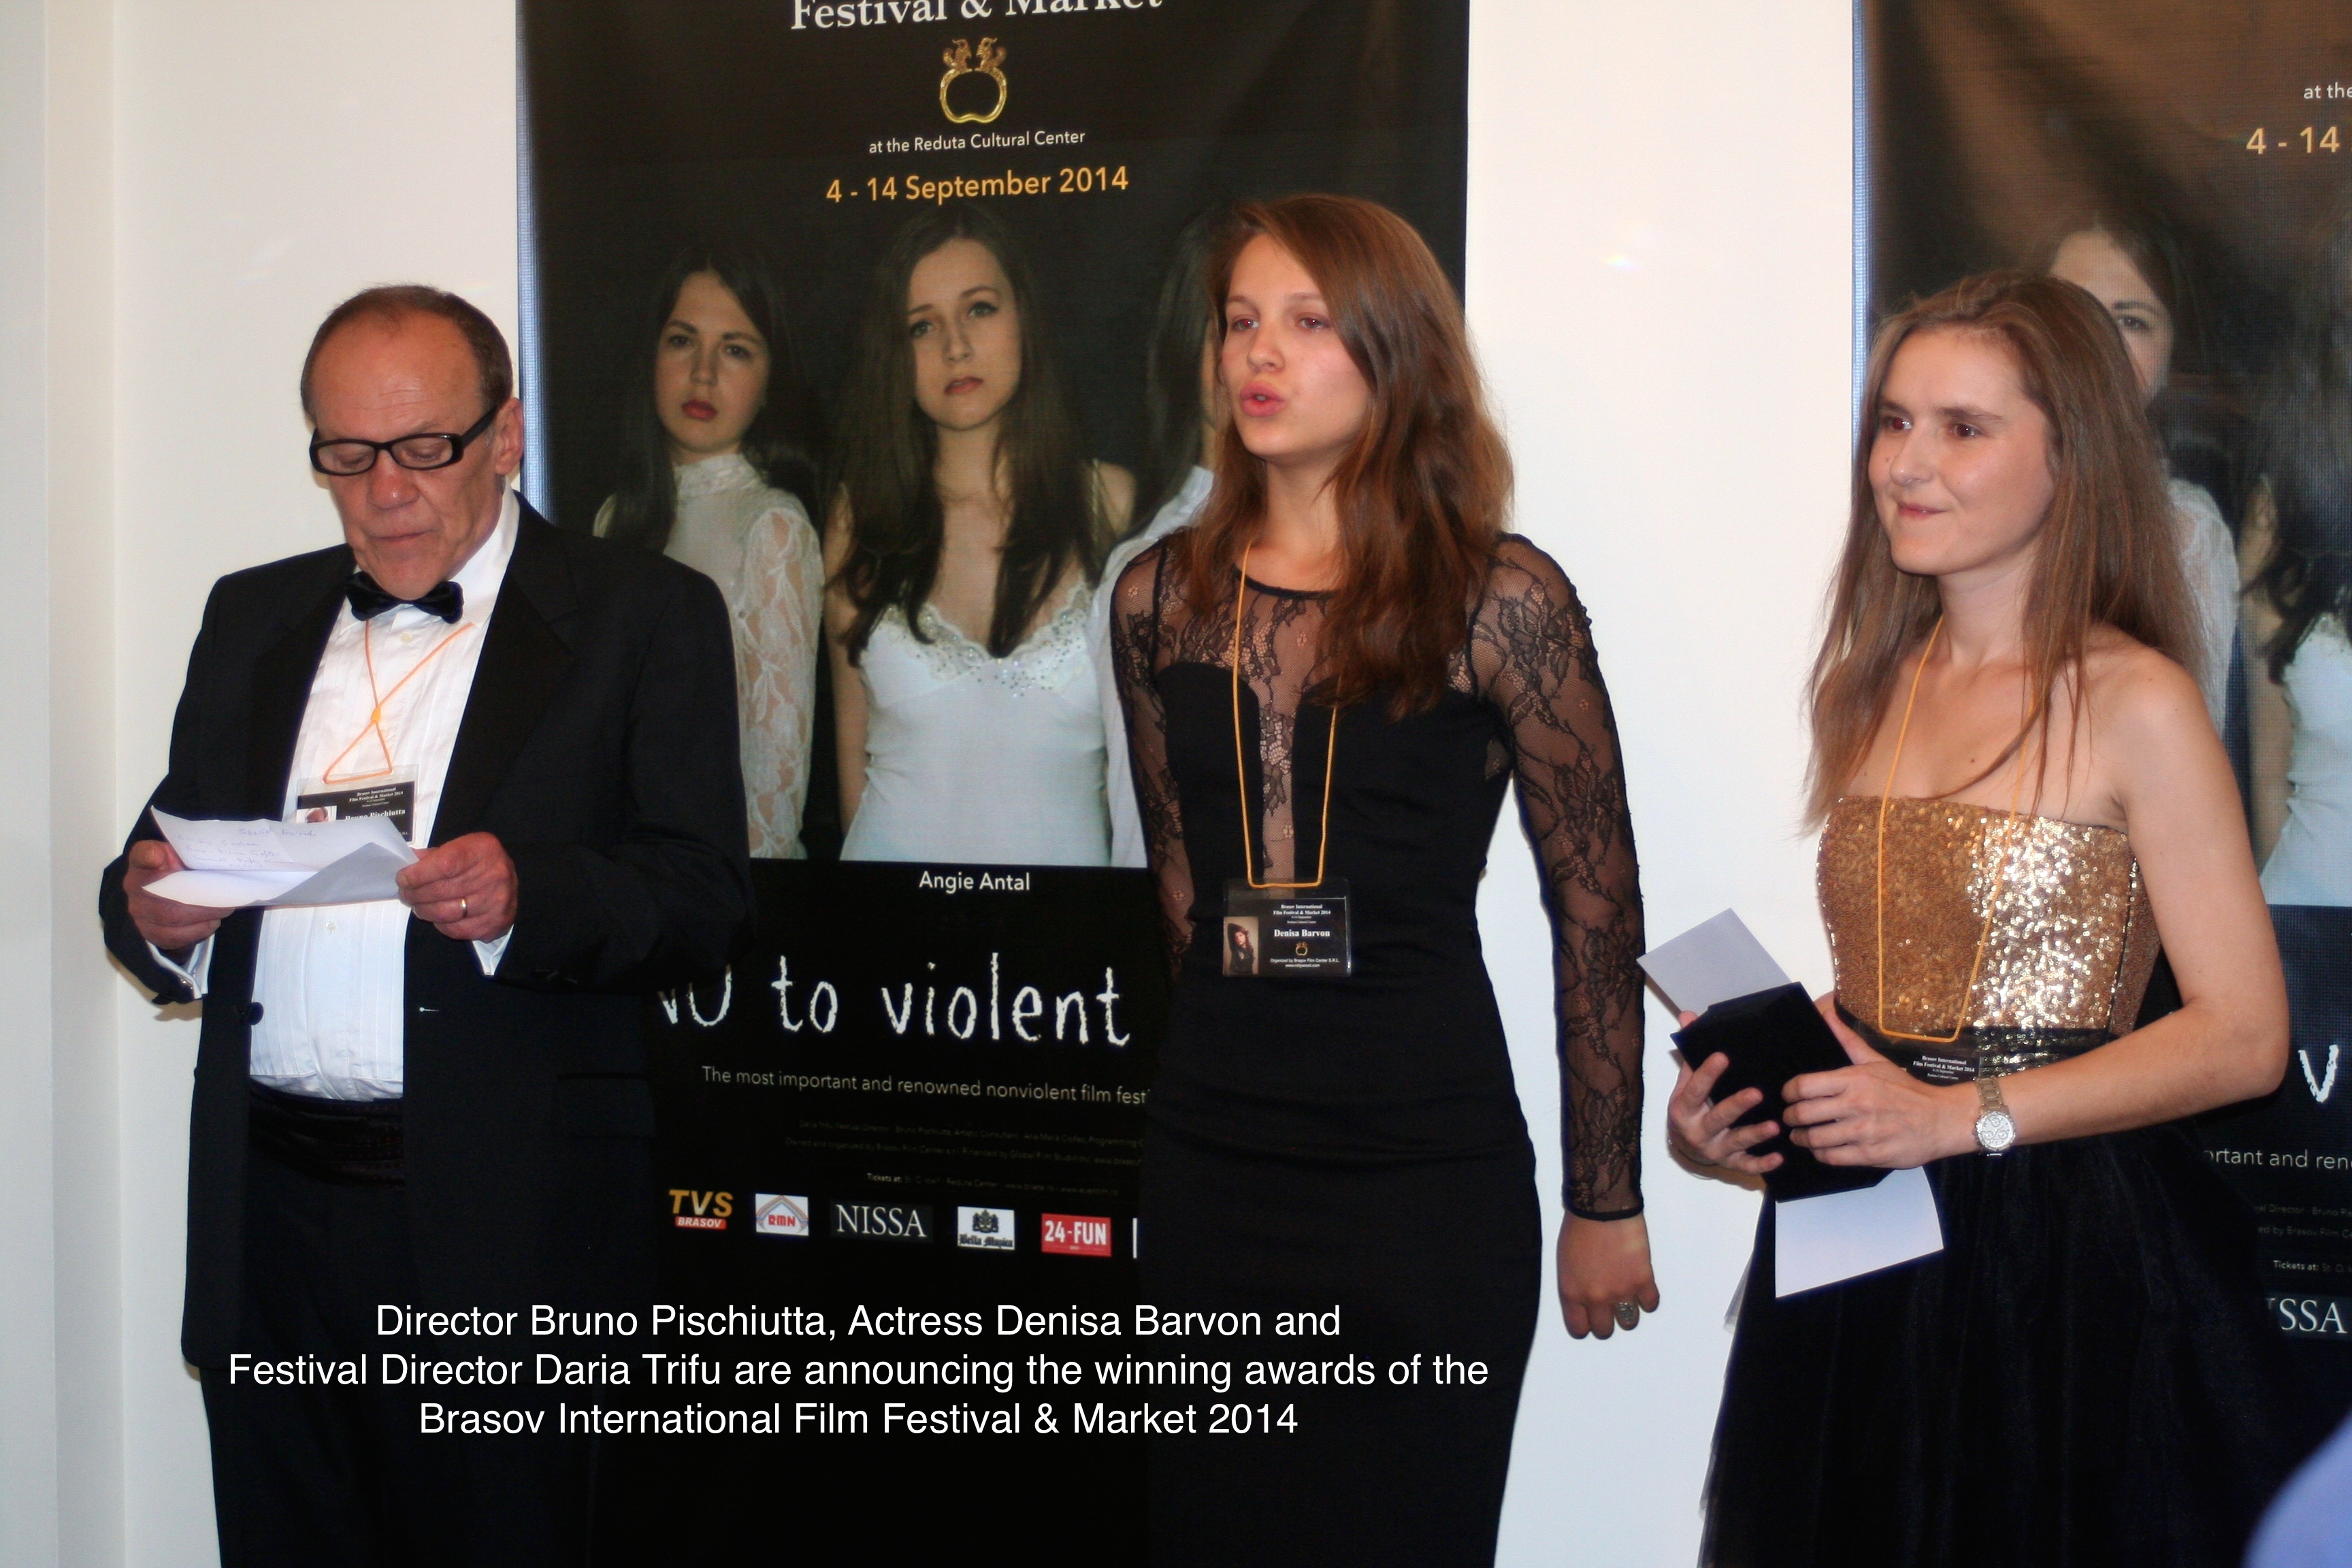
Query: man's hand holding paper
465	888
169	925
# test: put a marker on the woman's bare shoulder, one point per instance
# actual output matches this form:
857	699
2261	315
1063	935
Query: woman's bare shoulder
2145	702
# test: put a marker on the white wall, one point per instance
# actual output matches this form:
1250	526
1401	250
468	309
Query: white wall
1660	257
1659	243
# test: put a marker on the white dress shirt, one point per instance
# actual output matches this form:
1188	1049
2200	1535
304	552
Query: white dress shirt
332	980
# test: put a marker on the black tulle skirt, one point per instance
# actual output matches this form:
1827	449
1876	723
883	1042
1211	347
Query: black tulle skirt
2083	1376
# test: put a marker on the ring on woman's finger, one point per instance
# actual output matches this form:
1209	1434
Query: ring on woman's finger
461	908
1628	1314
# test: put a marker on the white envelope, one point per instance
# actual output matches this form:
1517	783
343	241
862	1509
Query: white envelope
1838	1235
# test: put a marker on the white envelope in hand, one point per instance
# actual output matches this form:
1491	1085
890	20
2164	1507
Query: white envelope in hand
1820	1240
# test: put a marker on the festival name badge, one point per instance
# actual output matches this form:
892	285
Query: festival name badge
390	795
1282	928
1288	930
363	780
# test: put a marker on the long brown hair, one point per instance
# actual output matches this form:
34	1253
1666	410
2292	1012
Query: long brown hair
782	442
1421	494
2106	553
888	448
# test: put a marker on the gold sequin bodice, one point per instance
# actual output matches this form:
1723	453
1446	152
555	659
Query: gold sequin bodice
2072	939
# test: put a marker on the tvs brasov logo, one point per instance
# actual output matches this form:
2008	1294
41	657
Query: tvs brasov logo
989	1230
960	62
883	1222
690	1210
1084	1235
776	1213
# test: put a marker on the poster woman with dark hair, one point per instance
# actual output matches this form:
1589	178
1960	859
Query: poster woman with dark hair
2299	555
966	542
2021	793
718	448
2135	272
1331	678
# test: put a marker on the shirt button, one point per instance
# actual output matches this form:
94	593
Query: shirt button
330	926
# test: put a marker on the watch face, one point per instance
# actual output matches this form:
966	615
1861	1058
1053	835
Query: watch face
1995	1131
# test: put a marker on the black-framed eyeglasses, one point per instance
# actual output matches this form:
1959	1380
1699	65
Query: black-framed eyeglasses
425	449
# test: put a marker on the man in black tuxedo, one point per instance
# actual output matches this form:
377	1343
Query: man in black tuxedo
437	1103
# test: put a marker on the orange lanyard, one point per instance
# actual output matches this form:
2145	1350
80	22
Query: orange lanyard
1241	774
1999	870
374	725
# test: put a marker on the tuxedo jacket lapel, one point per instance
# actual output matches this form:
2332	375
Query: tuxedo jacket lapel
524	659
281	689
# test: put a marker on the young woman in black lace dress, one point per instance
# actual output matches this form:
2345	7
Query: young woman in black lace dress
1331	679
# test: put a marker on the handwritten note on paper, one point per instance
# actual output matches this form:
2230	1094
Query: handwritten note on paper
238	865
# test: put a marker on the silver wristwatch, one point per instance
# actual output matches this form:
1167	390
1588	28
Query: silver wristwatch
1995	1131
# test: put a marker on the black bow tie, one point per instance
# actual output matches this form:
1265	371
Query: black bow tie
368	601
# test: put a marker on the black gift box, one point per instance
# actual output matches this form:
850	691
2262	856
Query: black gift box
1771	1037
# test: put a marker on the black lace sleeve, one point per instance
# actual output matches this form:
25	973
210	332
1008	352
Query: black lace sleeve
1135	640
1532	657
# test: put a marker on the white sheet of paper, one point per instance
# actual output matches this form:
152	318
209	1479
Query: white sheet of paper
1712	961
1838	1235
363	875
228	890
237	864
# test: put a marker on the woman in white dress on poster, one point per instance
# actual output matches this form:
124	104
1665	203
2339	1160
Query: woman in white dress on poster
964	554
718	448
2298	550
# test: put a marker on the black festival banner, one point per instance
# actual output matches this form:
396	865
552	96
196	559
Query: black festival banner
920	1089
2203	151
951	1058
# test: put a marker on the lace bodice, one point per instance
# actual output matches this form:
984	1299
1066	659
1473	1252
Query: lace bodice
1526	700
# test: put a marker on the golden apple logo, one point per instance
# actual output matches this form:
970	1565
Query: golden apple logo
961	61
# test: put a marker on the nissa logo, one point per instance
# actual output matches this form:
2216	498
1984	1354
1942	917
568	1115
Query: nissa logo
2314	1317
690	1210
883	1222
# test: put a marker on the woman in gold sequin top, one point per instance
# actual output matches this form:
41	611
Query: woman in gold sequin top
2022	795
